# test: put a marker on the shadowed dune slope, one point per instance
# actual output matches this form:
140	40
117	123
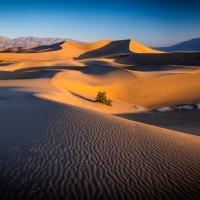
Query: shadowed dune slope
105	48
99	70
186	121
33	49
191	59
41	65
64	152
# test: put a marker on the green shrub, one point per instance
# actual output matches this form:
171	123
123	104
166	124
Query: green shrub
102	98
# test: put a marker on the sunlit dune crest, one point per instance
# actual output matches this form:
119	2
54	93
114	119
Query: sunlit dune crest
58	142
79	50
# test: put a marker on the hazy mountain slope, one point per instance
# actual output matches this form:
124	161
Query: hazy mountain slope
29	41
190	45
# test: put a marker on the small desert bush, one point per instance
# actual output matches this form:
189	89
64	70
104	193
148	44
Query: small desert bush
102	98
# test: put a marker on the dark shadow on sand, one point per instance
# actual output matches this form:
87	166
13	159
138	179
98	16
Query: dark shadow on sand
35	72
149	68
37	49
82	97
114	47
98	69
186	121
189	59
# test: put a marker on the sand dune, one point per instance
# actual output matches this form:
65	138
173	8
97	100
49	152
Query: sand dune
59	151
127	87
113	66
150	90
53	143
105	48
33	49
41	65
186	121
77	50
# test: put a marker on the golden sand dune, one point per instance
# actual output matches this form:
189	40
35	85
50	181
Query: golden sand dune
77	50
126	87
114	66
105	48
55	146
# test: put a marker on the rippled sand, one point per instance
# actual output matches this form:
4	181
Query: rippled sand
55	151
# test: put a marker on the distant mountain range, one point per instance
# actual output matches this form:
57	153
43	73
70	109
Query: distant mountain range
29	41
190	45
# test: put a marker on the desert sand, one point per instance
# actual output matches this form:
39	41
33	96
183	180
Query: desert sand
58	143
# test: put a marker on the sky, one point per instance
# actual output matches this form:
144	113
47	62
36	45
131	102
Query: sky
151	22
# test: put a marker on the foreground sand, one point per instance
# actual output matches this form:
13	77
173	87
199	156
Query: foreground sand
56	151
54	145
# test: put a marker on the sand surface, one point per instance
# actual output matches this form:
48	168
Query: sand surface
56	142
186	121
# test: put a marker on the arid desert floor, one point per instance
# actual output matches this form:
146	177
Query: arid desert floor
57	142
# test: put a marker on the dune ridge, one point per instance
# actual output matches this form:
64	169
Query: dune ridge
80	50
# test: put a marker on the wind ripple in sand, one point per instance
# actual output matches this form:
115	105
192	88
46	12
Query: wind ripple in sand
55	151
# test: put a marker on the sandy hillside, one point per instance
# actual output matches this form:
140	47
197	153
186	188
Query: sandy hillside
50	150
55	145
